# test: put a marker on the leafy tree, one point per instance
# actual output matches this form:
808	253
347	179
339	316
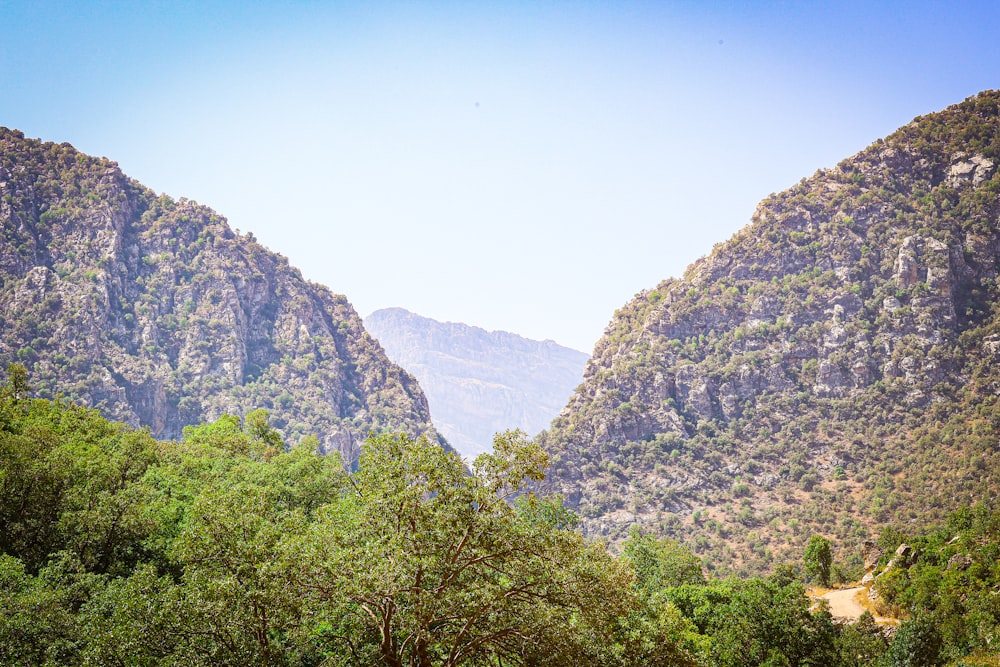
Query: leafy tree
861	643
17	382
917	644
36	622
264	439
818	559
134	620
224	516
420	563
756	622
71	481
661	563
225	433
784	574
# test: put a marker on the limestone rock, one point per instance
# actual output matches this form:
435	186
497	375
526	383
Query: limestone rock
959	562
907	269
902	557
694	392
969	170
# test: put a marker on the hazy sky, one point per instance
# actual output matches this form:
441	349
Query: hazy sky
526	166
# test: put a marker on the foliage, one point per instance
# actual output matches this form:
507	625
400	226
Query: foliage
454	574
917	644
661	564
948	587
861	643
224	548
818	559
757	622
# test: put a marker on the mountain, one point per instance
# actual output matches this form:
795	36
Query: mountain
479	382
833	366
156	312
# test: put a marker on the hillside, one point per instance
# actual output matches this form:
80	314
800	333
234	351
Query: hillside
831	367
479	383
156	312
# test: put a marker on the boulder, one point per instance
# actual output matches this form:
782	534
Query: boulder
872	553
959	562
904	555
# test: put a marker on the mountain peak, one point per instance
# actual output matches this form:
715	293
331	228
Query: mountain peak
479	382
155	311
805	362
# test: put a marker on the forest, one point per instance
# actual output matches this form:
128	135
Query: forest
226	547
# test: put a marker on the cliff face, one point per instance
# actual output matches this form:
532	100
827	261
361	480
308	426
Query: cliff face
833	365
479	382
154	311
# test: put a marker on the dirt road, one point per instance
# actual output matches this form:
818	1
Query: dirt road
844	603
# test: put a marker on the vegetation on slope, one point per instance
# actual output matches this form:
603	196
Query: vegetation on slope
831	368
947	582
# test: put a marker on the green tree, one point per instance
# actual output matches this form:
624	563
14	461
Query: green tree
17	382
757	622
818	559
70	481
861	643
661	563
36	623
917	644
420	563
225	518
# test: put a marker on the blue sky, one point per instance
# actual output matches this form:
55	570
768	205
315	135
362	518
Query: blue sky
526	166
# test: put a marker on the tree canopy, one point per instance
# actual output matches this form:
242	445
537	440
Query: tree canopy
227	548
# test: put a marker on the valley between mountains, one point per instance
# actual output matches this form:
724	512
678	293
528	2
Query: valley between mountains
479	383
822	386
830	368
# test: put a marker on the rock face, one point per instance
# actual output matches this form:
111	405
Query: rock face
827	362
479	382
154	311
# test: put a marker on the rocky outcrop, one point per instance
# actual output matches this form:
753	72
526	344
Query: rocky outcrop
969	170
960	562
479	382
155	311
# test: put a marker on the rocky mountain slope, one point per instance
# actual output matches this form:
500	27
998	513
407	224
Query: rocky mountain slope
155	311
834	365
479	382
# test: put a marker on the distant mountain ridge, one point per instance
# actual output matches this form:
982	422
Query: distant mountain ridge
479	382
833	367
154	311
